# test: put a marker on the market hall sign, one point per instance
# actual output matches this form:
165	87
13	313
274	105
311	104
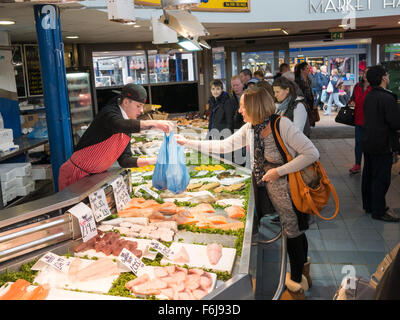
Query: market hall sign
325	6
209	5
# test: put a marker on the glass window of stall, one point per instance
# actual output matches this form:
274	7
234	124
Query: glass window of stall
117	68
261	60
170	66
218	55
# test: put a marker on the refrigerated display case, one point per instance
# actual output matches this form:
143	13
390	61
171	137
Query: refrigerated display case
80	101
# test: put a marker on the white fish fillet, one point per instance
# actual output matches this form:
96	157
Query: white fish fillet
214	253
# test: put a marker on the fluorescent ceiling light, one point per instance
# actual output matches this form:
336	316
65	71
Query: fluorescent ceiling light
136	26
285	32
72	37
189	45
130	23
204	44
180	4
6	22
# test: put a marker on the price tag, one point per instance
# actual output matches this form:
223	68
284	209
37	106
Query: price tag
86	220
59	263
219	171
164	250
137	180
99	205
148	174
201	173
147	190
121	194
131	261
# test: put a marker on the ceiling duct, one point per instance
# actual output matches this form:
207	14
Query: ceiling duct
185	24
122	11
179	4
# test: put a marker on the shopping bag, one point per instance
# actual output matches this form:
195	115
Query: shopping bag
324	96
159	179
170	171
329	89
345	116
177	173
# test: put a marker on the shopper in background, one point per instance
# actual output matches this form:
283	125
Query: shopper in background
290	105
259	75
237	91
323	80
284	67
270	172
265	84
314	84
245	76
379	141
252	83
334	96
221	111
357	101
301	74
108	137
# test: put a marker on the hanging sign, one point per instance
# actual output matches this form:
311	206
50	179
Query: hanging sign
121	194
99	205
209	5
86	220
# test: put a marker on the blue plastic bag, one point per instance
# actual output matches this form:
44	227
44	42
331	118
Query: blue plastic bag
39	130
170	171
324	96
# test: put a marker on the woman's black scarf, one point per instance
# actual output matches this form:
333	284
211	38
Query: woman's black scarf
259	158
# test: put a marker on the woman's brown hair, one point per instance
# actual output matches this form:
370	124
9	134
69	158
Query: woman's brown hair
259	104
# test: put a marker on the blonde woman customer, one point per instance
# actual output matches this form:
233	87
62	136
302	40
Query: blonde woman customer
258	108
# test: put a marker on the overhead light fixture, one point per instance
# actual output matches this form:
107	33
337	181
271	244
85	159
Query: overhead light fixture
179	4
136	26
122	11
162	33
285	32
204	44
130	23
6	22
72	37
398	22
344	26
189	45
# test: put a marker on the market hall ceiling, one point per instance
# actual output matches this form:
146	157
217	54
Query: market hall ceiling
92	26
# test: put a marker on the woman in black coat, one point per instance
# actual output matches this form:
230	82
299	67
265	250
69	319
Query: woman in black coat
221	112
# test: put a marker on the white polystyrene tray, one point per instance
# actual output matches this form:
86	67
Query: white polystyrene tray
198	257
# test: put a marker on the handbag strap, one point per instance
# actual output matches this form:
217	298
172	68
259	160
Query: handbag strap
324	179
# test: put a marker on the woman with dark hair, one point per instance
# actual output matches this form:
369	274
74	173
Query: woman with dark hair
290	105
270	172
301	76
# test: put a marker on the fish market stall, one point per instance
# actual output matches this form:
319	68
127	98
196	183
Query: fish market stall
115	236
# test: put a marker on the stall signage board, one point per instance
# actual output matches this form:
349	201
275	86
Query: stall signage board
209	5
99	205
164	250
121	193
34	75
57	262
131	261
86	220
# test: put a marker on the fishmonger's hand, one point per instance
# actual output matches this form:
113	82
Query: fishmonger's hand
163	125
181	140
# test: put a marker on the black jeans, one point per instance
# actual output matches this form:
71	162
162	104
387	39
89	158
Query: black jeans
297	249
376	182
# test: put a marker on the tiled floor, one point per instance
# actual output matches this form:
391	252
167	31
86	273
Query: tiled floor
353	241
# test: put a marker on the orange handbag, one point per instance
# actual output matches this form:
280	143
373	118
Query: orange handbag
309	197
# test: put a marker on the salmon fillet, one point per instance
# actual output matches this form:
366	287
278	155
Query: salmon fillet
214	253
217	220
235	212
39	293
16	291
230	226
136	212
202	208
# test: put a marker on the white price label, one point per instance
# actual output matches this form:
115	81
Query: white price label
86	220
164	250
98	202
148	191
121	194
147	174
57	262
131	261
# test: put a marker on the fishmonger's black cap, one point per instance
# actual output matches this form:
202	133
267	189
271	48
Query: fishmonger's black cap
134	92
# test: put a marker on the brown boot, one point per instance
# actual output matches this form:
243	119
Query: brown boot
306	272
295	290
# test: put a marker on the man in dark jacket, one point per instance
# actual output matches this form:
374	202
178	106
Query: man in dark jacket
221	112
379	141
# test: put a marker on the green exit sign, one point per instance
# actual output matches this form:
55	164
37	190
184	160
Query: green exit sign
337	35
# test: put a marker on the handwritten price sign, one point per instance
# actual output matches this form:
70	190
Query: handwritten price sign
164	250
86	220
131	261
98	202
121	194
59	263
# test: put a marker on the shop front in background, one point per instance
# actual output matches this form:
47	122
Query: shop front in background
169	77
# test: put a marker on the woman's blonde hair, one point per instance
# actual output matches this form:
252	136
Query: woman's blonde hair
259	104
